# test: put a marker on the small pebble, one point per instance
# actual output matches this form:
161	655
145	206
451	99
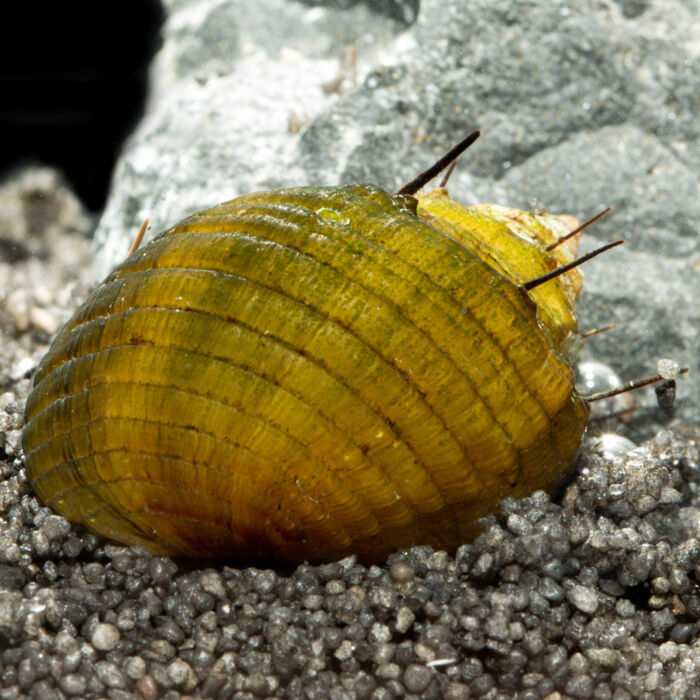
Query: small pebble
404	620
7	398
105	637
147	688
110	674
73	684
416	678
43	320
668	651
585	599
401	572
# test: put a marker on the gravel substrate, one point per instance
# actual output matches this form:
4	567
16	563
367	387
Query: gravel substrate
594	594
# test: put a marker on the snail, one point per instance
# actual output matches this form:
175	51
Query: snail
306	373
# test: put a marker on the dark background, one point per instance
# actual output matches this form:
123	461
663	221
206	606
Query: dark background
73	79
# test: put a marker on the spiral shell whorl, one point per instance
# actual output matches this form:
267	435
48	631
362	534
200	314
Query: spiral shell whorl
300	374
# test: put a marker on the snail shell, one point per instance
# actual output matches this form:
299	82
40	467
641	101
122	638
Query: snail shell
311	372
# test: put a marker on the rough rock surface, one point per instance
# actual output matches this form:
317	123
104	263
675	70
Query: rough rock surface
591	594
582	106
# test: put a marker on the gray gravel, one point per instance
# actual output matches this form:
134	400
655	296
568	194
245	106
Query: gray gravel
593	595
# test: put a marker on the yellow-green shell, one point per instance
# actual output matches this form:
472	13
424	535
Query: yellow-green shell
307	373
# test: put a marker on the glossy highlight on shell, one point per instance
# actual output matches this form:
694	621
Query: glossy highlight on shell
306	373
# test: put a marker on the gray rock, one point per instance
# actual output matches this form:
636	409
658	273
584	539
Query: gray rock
581	108
230	92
